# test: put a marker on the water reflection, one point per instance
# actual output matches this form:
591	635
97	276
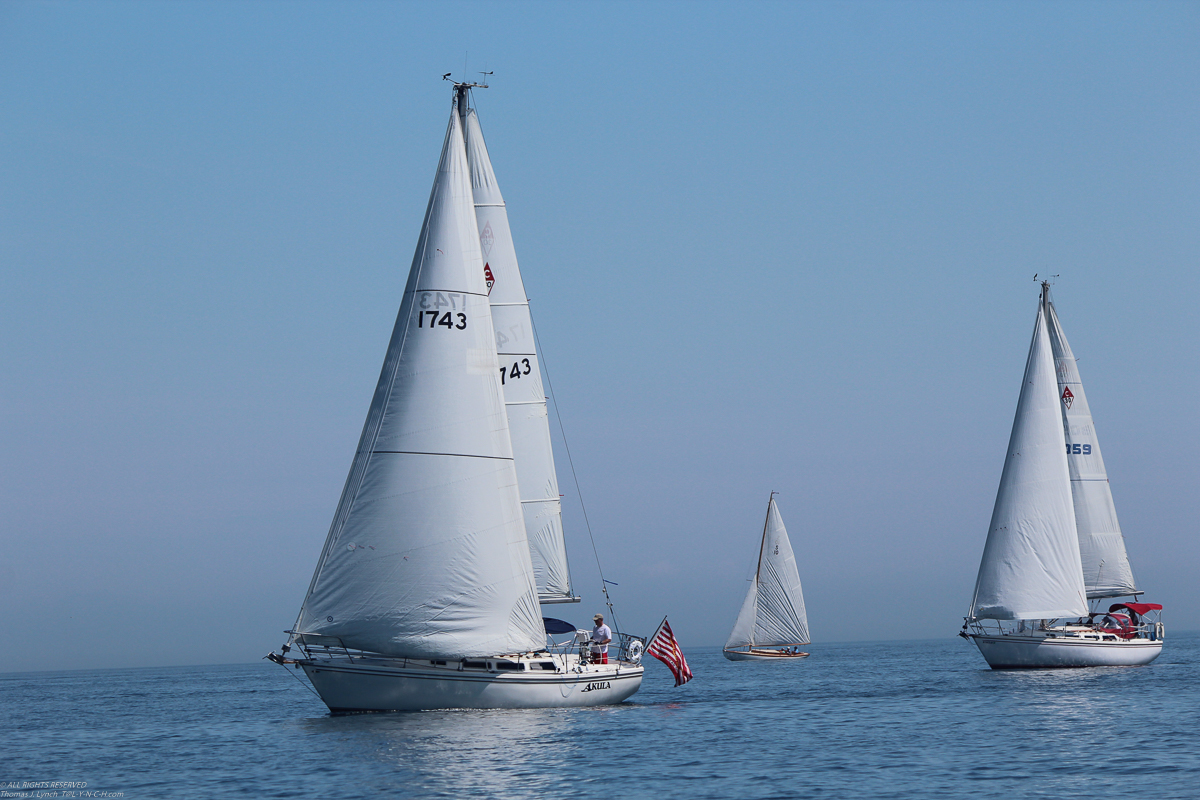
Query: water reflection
486	751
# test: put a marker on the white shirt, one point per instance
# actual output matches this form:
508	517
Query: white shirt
599	634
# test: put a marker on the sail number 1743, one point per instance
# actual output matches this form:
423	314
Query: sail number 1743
432	305
445	319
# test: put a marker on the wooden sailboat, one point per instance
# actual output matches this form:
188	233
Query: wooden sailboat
448	534
772	624
1054	542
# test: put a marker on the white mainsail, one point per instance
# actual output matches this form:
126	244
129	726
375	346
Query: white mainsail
1106	569
1030	567
427	555
773	612
521	377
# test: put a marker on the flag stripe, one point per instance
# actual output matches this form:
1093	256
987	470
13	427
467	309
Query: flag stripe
666	649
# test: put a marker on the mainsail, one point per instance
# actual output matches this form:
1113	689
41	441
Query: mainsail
1106	570
520	375
427	555
773	613
1030	567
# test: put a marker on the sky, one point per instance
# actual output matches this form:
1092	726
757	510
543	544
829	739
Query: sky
769	247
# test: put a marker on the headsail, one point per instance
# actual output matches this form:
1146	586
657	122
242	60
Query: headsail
1106	569
520	374
773	612
427	555
1030	567
742	634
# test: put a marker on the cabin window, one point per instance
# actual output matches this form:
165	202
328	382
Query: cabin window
475	664
545	665
507	665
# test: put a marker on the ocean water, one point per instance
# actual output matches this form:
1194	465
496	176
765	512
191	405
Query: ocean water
873	720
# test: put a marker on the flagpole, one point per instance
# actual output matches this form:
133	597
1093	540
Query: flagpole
656	630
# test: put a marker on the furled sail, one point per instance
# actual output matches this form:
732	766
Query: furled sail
521	377
427	555
773	612
1030	567
1106	570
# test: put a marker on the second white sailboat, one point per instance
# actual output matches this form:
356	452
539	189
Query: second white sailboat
1054	541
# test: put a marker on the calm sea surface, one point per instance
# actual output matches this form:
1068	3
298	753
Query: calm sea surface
876	720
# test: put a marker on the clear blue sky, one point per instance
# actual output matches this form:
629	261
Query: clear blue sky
769	246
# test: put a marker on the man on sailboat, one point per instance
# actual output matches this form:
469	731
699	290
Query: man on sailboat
601	636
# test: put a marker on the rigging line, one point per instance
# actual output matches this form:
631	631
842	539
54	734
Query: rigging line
567	447
302	683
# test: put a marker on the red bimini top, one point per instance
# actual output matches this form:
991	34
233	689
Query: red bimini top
1137	608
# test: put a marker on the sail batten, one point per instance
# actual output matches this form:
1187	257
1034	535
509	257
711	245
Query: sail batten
520	376
1106	568
773	613
1030	567
427	554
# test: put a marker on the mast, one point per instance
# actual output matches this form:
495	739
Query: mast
462	99
763	544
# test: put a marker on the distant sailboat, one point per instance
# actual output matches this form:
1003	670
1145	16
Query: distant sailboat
1054	541
772	624
448	533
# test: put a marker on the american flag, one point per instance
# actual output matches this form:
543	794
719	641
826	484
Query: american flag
664	647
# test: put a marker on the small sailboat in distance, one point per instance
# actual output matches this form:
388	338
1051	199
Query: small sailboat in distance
427	592
1054	542
772	624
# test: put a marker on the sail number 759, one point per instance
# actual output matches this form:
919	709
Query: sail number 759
1079	449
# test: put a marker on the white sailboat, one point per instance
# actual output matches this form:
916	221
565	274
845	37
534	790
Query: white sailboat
772	624
426	594
1054	541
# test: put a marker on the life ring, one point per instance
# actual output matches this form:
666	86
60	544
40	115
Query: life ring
634	651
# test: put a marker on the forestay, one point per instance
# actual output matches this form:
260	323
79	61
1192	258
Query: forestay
1106	569
427	555
521	377
1030	567
773	612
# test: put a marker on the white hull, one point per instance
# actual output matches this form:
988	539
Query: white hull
385	685
1039	651
761	655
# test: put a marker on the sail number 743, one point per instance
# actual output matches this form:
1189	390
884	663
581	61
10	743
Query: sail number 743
1079	449
519	368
